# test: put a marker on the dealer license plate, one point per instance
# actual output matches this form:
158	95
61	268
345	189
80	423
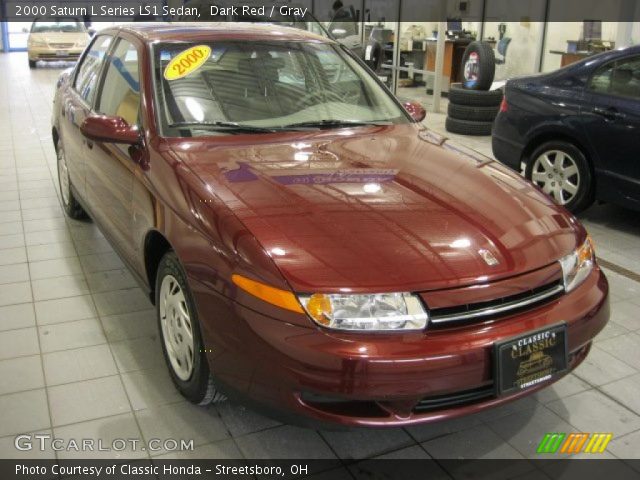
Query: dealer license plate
530	359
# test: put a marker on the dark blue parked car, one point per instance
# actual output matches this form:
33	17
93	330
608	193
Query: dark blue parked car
576	131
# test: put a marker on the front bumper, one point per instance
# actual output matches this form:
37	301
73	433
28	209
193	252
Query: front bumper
53	55
310	375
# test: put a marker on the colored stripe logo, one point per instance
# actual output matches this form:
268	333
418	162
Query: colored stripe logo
574	443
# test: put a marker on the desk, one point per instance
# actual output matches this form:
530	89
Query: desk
425	50
569	58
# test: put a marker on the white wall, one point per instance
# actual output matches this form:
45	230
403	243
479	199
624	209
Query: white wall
522	54
559	32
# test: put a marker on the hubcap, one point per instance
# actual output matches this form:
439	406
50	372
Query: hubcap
63	175
177	328
556	173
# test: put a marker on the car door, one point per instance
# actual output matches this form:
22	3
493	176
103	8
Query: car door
110	168
612	123
76	105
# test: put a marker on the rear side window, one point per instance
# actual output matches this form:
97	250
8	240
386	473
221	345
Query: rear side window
120	94
89	69
620	78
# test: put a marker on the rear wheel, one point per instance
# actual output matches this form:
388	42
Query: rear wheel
69	203
180	332
562	171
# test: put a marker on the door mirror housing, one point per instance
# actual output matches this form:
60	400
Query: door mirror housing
417	111
104	128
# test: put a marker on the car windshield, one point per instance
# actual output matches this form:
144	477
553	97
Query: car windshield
64	26
235	86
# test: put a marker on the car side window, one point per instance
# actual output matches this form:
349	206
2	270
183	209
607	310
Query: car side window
87	77
620	78
120	94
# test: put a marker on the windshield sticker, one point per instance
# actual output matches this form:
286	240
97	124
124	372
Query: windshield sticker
187	62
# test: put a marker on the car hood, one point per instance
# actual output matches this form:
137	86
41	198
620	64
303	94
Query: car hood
59	37
391	208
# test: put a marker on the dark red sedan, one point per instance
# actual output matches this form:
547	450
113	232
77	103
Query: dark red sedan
311	248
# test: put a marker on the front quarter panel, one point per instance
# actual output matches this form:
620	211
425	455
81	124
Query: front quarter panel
61	84
210	241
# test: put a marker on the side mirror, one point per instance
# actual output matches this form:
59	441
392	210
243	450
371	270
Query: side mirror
24	30
102	128
417	111
92	32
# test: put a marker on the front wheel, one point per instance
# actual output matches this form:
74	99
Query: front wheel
32	64
562	171
182	343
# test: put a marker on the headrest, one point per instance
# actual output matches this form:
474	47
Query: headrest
621	75
261	66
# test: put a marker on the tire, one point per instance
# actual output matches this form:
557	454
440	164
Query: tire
467	127
474	98
561	156
71	207
464	112
173	296
32	64
478	66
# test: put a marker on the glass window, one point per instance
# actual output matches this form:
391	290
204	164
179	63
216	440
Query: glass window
67	25
89	68
120	95
618	78
269	85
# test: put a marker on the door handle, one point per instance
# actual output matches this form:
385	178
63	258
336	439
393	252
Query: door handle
608	113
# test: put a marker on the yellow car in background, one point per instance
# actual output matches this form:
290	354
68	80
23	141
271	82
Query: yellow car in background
56	40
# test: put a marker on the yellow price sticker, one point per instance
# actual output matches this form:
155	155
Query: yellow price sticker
187	61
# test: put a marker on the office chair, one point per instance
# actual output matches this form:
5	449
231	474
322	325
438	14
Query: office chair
502	50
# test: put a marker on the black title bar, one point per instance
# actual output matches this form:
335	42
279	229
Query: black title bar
371	11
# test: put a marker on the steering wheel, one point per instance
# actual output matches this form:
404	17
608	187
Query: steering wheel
318	94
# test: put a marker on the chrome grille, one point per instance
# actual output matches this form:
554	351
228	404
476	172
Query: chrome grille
497	307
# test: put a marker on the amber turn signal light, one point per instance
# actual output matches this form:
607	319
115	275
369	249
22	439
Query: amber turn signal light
272	295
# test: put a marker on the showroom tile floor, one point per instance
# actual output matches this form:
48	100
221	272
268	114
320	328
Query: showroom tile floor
80	355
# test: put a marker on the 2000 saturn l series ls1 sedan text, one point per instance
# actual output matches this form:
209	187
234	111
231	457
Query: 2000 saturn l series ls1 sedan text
311	248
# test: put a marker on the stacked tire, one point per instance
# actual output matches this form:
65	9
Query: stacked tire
472	106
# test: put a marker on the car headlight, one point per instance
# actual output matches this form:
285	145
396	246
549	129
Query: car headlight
577	265
80	44
370	312
37	43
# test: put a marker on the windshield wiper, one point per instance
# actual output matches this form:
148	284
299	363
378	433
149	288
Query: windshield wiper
334	124
225	126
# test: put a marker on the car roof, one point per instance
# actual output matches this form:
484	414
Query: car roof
185	31
610	55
